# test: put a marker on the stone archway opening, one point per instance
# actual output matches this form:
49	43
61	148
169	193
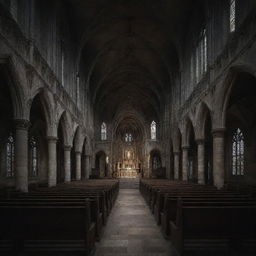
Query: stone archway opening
240	135
155	163
38	154
128	149
101	163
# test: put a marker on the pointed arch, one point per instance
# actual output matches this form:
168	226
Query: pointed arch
176	139
47	105
201	117
78	139
19	98
37	147
65	122
187	131
155	163
224	91
101	164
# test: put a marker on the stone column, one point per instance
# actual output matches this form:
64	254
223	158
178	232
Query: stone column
185	163
87	167
52	161
176	165
78	165
218	157
67	163
21	155
200	161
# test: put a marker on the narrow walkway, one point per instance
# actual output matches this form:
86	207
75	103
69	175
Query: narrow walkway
131	229
129	183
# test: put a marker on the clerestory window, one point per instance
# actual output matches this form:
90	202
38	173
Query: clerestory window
238	153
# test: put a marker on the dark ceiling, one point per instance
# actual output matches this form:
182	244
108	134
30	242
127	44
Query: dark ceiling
129	51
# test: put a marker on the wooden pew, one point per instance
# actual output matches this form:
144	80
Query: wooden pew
23	214
158	203
187	233
170	209
96	215
70	197
214	227
47	229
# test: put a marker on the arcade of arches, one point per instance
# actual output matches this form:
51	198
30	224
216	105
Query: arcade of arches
127	89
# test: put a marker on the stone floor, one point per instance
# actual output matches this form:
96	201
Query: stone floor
129	183
131	229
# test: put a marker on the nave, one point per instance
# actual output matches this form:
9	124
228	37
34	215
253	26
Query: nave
93	91
131	229
101	217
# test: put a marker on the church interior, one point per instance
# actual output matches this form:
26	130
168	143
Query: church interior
128	127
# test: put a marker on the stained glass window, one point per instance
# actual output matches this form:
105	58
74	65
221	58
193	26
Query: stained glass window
232	15
10	156
33	157
103	131
238	153
201	56
128	137
153	130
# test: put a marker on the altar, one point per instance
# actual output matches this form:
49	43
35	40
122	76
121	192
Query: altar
128	164
128	173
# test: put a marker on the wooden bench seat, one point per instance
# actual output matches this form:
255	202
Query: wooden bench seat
158	204
227	226
96	214
103	208
170	210
46	228
161	202
63	220
202	220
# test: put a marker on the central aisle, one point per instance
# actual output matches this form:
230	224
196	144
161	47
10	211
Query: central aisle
131	229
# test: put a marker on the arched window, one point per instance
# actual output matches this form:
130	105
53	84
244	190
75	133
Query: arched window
156	163
10	156
14	9
232	15
201	55
238	153
153	130
128	137
103	131
33	157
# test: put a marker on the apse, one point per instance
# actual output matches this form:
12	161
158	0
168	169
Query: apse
128	148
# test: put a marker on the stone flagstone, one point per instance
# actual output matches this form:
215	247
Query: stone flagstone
131	229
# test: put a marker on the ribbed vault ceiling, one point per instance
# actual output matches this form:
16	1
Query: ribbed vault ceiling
128	50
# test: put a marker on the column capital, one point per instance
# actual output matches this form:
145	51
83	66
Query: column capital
67	148
52	138
218	132
78	152
21	124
